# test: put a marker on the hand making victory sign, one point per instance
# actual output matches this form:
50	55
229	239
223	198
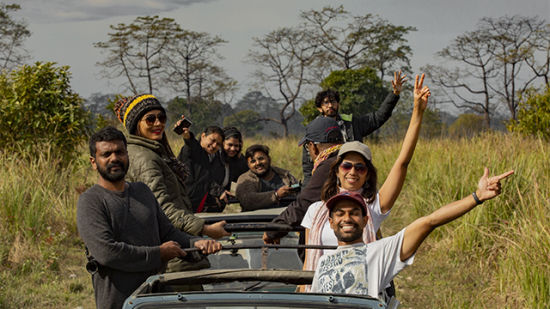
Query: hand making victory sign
397	82
421	93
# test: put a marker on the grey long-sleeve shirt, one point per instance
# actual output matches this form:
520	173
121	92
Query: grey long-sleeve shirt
123	232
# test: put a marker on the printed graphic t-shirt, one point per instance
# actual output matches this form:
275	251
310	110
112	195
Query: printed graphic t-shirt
360	269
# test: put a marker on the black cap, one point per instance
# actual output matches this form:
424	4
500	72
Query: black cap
322	130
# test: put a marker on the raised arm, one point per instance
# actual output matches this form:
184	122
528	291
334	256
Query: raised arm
394	182
370	122
416	232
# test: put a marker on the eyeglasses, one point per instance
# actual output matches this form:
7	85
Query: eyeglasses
327	102
152	118
359	167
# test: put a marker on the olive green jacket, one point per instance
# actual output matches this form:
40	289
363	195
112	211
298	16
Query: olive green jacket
149	164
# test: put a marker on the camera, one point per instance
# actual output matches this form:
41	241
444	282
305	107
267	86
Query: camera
185	123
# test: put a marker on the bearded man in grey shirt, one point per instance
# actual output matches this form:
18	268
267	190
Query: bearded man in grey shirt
127	235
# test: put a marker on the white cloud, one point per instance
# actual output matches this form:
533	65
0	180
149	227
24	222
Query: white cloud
54	11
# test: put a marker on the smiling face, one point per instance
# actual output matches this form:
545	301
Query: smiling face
232	146
352	172
211	142
152	125
348	221
259	163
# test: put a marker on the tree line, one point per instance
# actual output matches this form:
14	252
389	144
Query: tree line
152	53
494	66
499	68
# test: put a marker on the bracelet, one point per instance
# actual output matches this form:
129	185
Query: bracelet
276	195
478	201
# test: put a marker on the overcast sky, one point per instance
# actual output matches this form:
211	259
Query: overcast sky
64	30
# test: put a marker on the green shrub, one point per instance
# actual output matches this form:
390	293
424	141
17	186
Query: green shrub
467	125
39	108
533	115
361	92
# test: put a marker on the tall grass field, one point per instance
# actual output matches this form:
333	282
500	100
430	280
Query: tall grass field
498	255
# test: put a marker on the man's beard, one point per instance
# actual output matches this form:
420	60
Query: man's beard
344	237
262	174
113	176
331	113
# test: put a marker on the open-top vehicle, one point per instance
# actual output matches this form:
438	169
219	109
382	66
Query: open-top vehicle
245	274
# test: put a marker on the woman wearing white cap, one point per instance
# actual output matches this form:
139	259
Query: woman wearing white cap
354	171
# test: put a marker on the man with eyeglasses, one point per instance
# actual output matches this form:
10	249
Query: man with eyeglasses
263	185
353	128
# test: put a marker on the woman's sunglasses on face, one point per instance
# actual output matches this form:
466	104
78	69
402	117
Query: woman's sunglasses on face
152	118
359	167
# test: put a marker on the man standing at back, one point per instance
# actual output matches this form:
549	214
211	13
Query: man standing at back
323	139
127	235
353	128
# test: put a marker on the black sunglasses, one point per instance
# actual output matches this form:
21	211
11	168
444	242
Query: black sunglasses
359	167
152	118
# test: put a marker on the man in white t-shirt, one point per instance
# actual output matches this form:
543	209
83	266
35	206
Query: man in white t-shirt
365	269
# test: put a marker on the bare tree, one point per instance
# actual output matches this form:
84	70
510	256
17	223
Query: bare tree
541	51
350	41
515	39
12	35
283	57
496	63
135	51
190	66
467	87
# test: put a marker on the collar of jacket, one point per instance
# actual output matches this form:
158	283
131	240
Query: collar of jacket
145	142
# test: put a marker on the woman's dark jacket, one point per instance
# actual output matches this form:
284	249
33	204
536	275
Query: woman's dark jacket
236	165
206	175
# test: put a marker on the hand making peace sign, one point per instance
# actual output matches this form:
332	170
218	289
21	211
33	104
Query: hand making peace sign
421	93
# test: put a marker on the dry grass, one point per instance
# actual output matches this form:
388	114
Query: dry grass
495	256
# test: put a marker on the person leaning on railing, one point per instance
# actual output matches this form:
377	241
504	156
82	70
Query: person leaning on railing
153	163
